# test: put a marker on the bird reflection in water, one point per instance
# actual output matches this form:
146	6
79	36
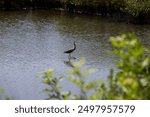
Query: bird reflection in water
69	63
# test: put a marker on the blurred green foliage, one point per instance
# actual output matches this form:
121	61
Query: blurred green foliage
131	81
133	78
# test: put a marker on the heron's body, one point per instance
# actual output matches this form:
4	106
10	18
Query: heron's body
71	50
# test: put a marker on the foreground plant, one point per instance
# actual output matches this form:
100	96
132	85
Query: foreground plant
78	76
133	76
131	81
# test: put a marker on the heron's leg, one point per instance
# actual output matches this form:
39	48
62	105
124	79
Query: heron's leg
69	57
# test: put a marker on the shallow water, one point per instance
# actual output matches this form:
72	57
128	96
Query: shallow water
34	41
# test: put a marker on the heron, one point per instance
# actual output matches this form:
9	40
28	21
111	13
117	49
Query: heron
71	50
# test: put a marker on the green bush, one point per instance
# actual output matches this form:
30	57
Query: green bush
137	8
131	80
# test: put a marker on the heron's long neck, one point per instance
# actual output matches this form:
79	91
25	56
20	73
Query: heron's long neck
74	46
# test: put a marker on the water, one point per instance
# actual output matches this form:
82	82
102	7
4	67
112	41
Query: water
34	41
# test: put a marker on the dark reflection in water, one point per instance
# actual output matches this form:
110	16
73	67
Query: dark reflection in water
34	41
